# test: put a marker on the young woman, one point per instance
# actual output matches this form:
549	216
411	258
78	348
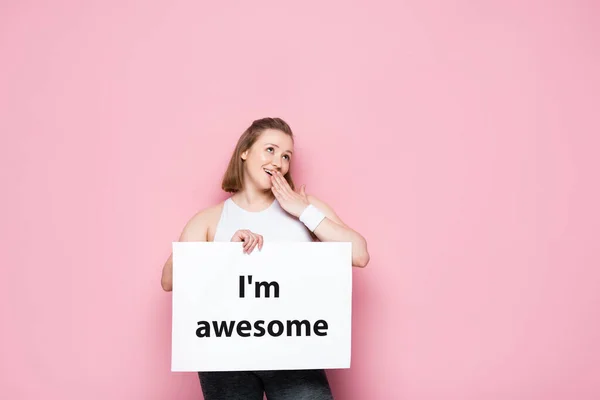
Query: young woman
265	206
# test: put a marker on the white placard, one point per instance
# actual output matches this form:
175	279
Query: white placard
295	299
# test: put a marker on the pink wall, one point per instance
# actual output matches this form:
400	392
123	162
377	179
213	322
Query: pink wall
460	139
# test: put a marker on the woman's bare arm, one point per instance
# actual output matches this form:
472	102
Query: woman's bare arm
194	231
333	229
330	229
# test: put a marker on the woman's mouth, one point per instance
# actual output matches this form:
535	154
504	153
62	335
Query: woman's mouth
268	171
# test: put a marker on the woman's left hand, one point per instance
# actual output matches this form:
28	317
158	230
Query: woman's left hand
292	202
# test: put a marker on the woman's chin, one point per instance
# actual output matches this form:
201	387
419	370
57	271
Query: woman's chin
267	184
266	187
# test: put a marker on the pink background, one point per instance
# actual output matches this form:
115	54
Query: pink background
461	138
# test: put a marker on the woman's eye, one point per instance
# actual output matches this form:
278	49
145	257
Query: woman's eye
287	157
269	149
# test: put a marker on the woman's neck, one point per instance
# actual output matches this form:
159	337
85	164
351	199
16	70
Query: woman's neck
253	200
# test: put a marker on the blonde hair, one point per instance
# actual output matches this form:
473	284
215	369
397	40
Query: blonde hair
233	180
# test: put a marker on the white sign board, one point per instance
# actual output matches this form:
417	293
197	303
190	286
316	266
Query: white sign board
287	306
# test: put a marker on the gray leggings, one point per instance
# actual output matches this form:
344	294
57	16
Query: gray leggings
278	385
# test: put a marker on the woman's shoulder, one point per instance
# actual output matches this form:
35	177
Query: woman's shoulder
209	213
202	224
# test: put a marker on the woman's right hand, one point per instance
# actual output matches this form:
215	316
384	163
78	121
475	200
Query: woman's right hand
250	239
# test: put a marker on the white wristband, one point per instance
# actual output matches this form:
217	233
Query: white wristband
311	217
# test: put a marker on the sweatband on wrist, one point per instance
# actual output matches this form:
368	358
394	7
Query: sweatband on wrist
311	217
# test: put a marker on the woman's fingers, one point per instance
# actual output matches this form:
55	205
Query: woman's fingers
253	242
277	183
257	242
260	242
276	193
284	186
250	240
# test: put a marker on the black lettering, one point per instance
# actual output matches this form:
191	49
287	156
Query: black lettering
242	286
267	286
298	325
270	328
258	325
318	327
219	329
246	326
274	328
203	330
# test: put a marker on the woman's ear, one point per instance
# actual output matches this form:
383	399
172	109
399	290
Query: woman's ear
244	155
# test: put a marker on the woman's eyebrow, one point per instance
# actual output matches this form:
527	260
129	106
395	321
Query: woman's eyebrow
273	144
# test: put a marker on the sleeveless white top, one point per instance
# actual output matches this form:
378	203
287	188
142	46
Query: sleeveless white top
273	223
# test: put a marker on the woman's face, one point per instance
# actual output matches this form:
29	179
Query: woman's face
271	151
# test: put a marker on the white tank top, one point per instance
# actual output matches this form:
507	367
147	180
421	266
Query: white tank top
274	224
